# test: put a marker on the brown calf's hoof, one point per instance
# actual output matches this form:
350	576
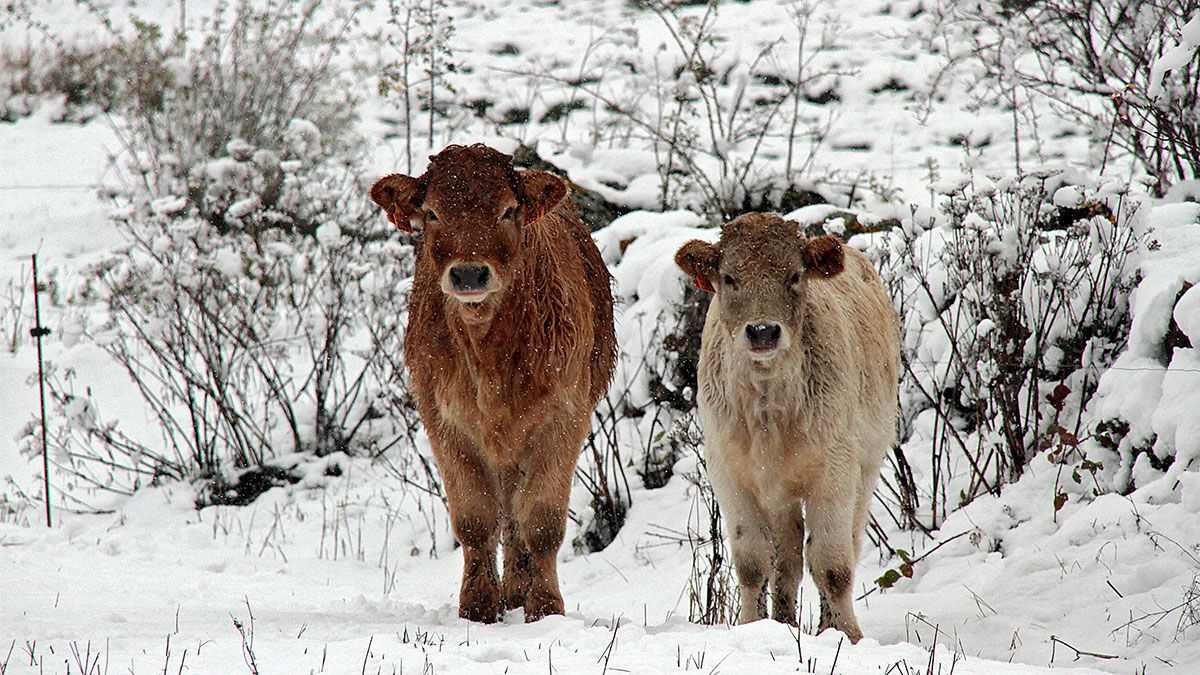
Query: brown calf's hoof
514	587
482	605
540	605
478	613
514	595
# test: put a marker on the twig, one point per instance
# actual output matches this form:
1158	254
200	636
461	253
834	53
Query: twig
1078	652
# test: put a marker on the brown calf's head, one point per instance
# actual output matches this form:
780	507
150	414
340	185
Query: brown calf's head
760	269
470	205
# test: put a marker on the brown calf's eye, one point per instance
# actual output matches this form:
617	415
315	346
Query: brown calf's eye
794	279
430	217
508	214
729	281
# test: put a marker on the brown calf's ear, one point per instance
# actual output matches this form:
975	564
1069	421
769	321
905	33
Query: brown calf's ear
699	259
823	256
538	193
398	195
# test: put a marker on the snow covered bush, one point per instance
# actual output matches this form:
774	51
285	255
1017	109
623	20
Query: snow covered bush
1144	414
727	132
1127	70
253	70
248	338
82	72
78	74
257	303
1013	301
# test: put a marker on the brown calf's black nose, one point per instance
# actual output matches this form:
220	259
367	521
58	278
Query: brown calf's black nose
469	278
763	335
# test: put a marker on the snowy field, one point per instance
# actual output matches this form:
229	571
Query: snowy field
355	574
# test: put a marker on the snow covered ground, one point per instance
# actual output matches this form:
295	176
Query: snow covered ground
340	578
347	575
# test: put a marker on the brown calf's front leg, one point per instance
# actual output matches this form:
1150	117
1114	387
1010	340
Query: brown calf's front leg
540	509
514	584
475	517
833	557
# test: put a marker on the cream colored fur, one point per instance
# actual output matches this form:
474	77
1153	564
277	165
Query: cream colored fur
809	430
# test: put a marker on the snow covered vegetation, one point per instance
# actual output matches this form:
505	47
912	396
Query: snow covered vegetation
239	480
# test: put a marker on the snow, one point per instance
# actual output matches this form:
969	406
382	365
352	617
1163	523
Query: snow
168	205
1068	196
329	234
1174	57
142	586
243	207
352	574
49	176
1187	314
1152	396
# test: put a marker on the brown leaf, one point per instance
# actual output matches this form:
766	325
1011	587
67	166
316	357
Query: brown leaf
1060	500
1058	397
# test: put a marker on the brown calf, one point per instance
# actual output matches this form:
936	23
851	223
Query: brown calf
798	399
510	345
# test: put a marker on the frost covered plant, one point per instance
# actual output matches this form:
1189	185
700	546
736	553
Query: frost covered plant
602	474
1127	69
13	312
1018	287
710	124
261	320
257	304
729	132
246	335
419	33
252	70
712	589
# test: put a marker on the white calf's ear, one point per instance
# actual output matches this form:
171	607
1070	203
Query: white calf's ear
823	256
699	260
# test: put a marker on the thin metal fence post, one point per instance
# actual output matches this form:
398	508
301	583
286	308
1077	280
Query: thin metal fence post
38	331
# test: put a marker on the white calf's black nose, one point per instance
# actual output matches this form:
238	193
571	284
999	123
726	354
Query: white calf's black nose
467	278
763	336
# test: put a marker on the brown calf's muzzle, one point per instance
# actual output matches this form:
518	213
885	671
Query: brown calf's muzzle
470	278
470	281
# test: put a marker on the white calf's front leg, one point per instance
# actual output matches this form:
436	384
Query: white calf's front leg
745	526
787	569
833	555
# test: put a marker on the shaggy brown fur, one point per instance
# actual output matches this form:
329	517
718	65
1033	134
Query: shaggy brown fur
798	399
505	376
